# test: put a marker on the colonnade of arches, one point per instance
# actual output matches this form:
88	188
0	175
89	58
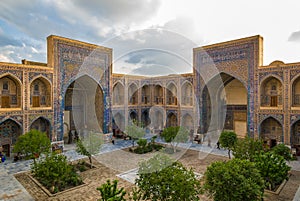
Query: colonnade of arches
271	92
155	119
11	92
10	130
153	94
232	99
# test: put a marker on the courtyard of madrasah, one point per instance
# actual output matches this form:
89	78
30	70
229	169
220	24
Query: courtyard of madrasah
77	90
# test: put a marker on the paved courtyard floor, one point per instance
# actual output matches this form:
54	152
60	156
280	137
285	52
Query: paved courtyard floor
112	162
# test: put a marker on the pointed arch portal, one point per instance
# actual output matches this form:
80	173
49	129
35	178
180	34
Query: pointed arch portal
84	107
271	131
231	99
43	125
9	133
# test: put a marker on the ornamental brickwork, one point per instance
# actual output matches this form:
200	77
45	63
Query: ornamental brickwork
229	88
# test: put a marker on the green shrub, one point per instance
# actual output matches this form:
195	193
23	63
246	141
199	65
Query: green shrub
175	135
227	140
153	139
110	192
247	148
160	178
55	173
148	148
81	166
156	147
32	144
89	145
272	167
135	132
234	180
142	142
283	151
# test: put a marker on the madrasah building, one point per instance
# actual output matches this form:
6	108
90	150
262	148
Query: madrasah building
76	89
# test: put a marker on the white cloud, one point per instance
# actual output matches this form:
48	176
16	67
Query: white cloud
94	21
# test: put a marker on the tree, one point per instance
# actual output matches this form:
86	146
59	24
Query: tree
175	135
161	178
142	142
135	132
89	145
135	194
283	151
247	148
32	144
55	173
110	192
235	180
272	167
227	140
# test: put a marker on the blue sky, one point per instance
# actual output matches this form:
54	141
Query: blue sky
124	25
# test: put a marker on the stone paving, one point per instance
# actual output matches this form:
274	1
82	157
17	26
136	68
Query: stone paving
11	189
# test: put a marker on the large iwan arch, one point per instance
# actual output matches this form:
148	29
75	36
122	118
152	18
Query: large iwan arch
84	105
229	100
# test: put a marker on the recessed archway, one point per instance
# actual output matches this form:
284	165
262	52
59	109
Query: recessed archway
133	117
158	95
296	93
295	134
118	122
84	105
187	94
172	120
271	92
9	133
271	131
187	122
157	118
171	94
10	92
145	118
133	94
43	125
40	93
118	94
229	98
146	95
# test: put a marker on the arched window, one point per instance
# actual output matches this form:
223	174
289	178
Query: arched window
40	93
146	94
158	95
5	85
187	94
133	94
171	94
118	94
10	95
271	92
296	93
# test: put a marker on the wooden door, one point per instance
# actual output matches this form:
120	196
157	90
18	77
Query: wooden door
5	102
274	101
35	101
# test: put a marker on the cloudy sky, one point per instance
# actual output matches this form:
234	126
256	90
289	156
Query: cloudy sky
148	36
